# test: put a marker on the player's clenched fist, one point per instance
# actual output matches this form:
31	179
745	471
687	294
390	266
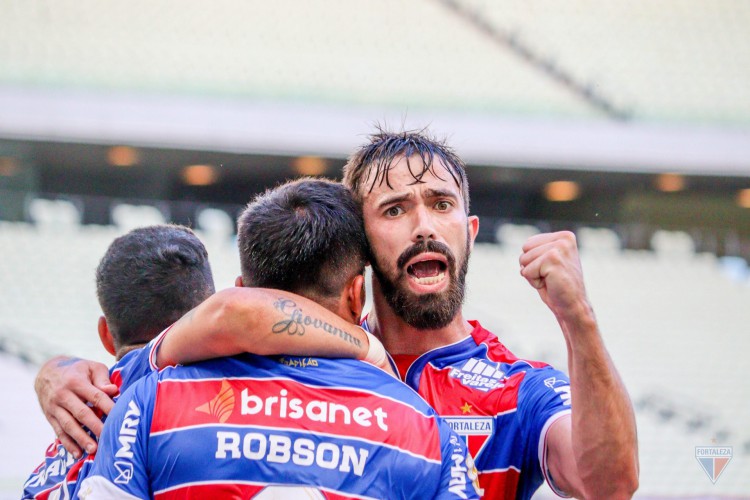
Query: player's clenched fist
550	263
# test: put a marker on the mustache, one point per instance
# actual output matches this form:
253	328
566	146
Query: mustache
424	247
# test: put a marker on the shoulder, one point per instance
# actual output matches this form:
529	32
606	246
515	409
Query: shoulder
497	351
131	367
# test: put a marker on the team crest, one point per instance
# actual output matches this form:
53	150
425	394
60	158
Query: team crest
479	374
475	430
713	460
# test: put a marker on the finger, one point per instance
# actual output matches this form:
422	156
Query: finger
74	408
110	389
536	252
544	238
99	374
537	283
73	432
68	443
99	399
533	273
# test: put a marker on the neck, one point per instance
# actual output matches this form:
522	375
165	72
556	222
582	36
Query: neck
399	337
123	350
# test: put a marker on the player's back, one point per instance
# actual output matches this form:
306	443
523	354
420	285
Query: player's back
249	425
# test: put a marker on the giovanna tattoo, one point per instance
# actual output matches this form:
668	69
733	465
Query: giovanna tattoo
296	322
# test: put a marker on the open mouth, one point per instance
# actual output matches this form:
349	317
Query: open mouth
427	270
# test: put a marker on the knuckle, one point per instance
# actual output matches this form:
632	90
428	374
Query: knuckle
56	428
69	427
569	239
81	414
96	399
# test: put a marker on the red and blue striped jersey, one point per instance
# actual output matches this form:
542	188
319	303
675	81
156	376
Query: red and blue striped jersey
57	476
501	405
254	427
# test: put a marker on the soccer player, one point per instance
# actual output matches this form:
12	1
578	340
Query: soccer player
523	420
294	427
146	280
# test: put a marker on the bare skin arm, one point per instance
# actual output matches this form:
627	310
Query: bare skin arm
593	453
263	322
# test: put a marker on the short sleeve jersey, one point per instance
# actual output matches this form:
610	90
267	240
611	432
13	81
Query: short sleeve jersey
502	406
254	427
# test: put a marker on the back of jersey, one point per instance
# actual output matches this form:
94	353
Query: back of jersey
255	427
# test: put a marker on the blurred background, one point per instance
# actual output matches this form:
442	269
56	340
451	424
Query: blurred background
626	122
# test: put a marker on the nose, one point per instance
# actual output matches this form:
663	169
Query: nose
424	228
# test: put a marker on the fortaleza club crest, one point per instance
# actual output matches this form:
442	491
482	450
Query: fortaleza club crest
713	460
475	430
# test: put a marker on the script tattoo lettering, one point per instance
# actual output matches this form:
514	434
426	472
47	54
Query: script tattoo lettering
297	321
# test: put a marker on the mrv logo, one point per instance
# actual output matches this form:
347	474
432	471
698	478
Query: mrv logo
479	374
128	431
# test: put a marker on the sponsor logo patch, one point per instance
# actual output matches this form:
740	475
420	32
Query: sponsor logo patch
479	374
124	471
222	405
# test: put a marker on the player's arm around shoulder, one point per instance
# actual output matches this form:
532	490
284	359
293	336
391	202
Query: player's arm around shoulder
260	321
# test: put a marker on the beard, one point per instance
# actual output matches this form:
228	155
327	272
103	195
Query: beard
427	311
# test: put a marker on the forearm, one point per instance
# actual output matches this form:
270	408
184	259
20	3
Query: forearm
260	321
603	423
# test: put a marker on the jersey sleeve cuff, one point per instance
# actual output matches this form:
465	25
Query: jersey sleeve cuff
154	348
543	452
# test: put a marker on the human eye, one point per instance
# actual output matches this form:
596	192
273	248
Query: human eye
443	205
394	211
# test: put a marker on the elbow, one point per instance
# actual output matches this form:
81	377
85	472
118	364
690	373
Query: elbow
630	481
625	488
629	475
224	309
232	317
622	486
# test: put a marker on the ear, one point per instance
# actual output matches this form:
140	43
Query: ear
356	296
106	336
238	281
473	228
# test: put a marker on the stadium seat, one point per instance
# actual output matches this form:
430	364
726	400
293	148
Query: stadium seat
54	214
127	217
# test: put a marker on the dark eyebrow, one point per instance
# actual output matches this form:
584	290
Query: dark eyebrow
396	198
440	193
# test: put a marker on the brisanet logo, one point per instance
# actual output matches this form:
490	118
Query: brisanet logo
713	460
